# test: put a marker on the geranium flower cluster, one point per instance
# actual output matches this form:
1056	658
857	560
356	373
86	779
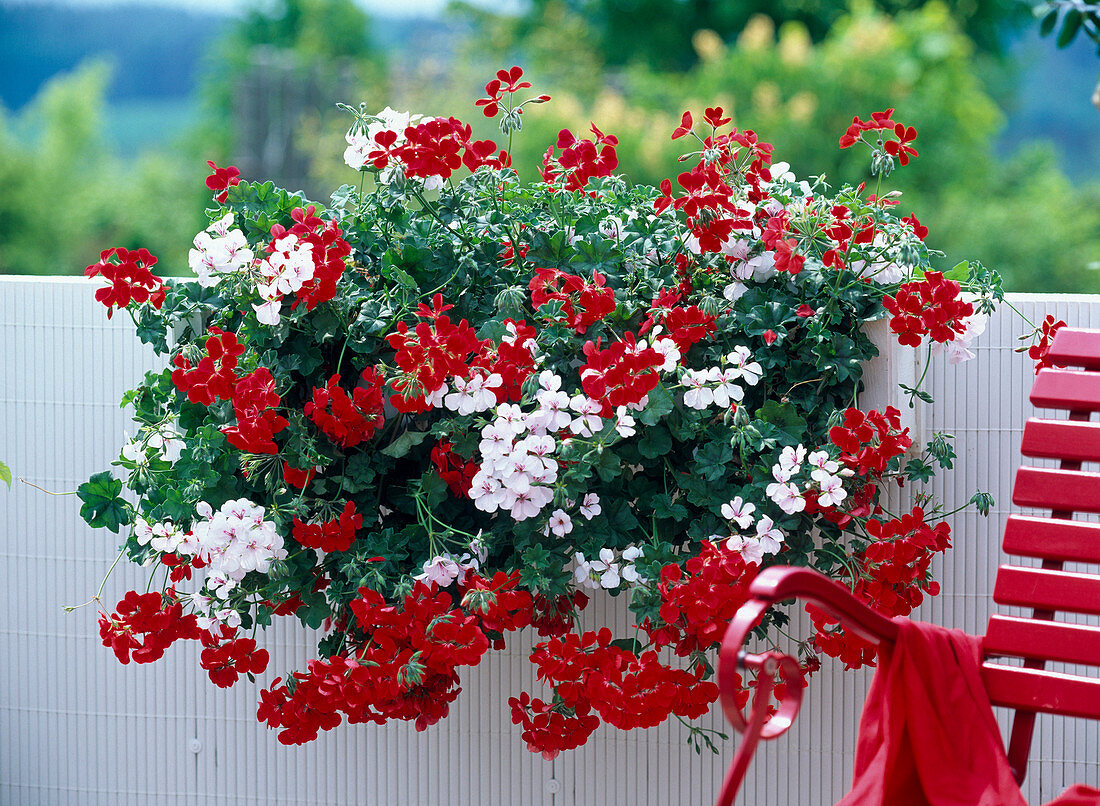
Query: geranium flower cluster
450	404
129	278
230	542
218	250
930	307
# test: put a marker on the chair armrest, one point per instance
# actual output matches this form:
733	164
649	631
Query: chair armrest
773	585
779	583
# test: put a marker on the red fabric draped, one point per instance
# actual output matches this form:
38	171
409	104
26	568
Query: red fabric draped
928	736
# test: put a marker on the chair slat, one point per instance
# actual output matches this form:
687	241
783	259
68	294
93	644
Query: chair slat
1043	589
1066	389
1042	640
1038	690
1076	347
1074	441
1052	539
1058	490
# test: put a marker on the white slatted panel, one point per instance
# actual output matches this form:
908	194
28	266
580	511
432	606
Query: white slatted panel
78	728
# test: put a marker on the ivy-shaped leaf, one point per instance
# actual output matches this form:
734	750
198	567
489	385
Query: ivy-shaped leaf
103	504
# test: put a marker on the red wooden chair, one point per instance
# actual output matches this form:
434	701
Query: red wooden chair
1055	540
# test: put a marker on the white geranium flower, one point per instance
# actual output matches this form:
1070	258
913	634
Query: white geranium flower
669	351
607	568
739	512
787	496
832	491
584	574
485	491
698	395
821	461
771	539
269	313
749	548
744	368
441	569
728	391
630	555
624	423
588	420
791	459
590	506
560	523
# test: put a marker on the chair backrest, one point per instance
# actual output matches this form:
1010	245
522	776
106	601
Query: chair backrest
1056	539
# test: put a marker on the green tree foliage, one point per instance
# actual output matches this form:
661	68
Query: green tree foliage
659	33
67	198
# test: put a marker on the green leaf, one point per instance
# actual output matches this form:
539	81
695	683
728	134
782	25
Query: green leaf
656	442
404	443
660	405
959	272
918	470
1048	22
1070	26
103	506
783	416
5	474
665	507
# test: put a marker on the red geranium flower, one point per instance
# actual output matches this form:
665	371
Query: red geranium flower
221	180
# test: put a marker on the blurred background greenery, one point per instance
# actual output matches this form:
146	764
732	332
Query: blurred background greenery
108	112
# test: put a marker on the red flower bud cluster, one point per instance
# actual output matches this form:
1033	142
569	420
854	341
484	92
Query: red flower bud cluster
580	160
699	600
588	674
511	360
348	419
496	602
583	303
221	179
144	625
404	668
254	397
180	567
550	728
552	617
213	378
869	441
620	375
507	81
731	166
225	662
127	272
328	249
1038	352
453	469
296	477
334	535
684	325
786	259
931	307
881	121
893	579
435	350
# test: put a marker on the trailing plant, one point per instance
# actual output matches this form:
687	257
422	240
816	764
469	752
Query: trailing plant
449	404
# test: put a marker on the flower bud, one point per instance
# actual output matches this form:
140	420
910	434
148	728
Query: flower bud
710	306
511	122
881	163
510	300
908	254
